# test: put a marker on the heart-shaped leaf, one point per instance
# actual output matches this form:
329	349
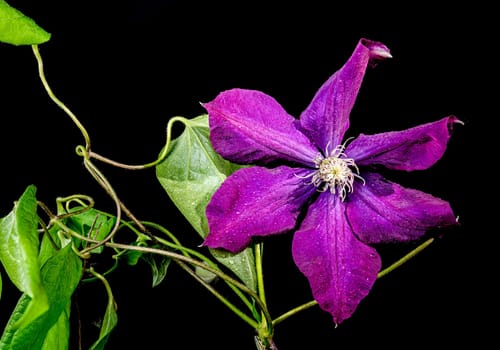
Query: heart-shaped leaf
190	174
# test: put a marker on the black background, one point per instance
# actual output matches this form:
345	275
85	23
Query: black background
126	67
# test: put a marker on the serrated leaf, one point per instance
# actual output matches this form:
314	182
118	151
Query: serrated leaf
190	174
19	244
18	29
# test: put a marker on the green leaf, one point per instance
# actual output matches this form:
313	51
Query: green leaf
58	336
91	223
47	249
159	266
132	257
190	174
243	264
19	245
61	275
192	171
11	328
109	322
18	29
205	275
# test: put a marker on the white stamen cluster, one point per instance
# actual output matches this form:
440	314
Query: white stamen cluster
335	172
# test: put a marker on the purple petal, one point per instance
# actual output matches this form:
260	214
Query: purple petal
382	211
412	149
341	270
248	126
326	119
255	201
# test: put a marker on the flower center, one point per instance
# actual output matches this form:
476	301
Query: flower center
335	172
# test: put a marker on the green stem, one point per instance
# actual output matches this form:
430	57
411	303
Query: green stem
188	253
382	273
405	258
219	296
86	153
294	311
266	329
259	271
178	257
101	179
161	157
56	100
111	300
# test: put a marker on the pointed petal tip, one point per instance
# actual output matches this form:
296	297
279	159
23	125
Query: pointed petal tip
452	120
377	49
455	120
381	53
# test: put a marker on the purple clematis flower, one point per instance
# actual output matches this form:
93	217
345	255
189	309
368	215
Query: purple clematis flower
306	165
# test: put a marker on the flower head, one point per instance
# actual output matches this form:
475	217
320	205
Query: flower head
306	165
